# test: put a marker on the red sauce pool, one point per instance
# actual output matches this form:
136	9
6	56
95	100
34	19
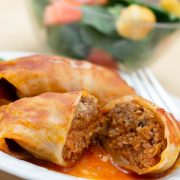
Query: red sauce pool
95	164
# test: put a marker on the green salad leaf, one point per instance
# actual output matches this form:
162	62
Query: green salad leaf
124	2
164	16
115	10
38	8
96	39
66	40
99	18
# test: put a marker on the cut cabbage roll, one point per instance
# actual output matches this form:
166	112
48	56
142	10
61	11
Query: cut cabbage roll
52	126
140	136
34	75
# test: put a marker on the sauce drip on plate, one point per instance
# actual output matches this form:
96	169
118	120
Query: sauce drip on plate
95	164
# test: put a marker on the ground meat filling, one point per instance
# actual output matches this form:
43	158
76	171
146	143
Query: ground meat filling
136	135
84	128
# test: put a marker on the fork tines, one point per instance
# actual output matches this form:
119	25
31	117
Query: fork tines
147	86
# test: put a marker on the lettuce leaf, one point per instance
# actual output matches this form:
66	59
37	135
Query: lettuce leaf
66	40
99	18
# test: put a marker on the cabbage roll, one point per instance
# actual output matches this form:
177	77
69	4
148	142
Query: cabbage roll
37	74
140	136
53	127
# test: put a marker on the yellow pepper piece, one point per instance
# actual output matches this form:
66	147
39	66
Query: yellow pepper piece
135	22
172	6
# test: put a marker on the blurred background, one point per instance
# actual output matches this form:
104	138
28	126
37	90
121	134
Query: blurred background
20	32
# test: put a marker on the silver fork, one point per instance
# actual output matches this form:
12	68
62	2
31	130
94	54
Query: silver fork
147	86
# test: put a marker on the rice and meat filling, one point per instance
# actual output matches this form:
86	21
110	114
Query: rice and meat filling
135	134
84	128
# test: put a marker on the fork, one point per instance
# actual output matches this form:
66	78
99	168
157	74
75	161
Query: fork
147	86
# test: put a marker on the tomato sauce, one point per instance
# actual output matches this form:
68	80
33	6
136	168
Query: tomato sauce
95	164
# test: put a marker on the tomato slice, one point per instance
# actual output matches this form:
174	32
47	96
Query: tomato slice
102	57
66	11
62	12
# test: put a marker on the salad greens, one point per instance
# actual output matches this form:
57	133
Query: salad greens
97	29
69	39
38	8
105	21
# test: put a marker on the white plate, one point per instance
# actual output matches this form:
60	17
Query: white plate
30	171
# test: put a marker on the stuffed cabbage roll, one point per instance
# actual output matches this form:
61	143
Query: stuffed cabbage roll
52	126
33	75
140	136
